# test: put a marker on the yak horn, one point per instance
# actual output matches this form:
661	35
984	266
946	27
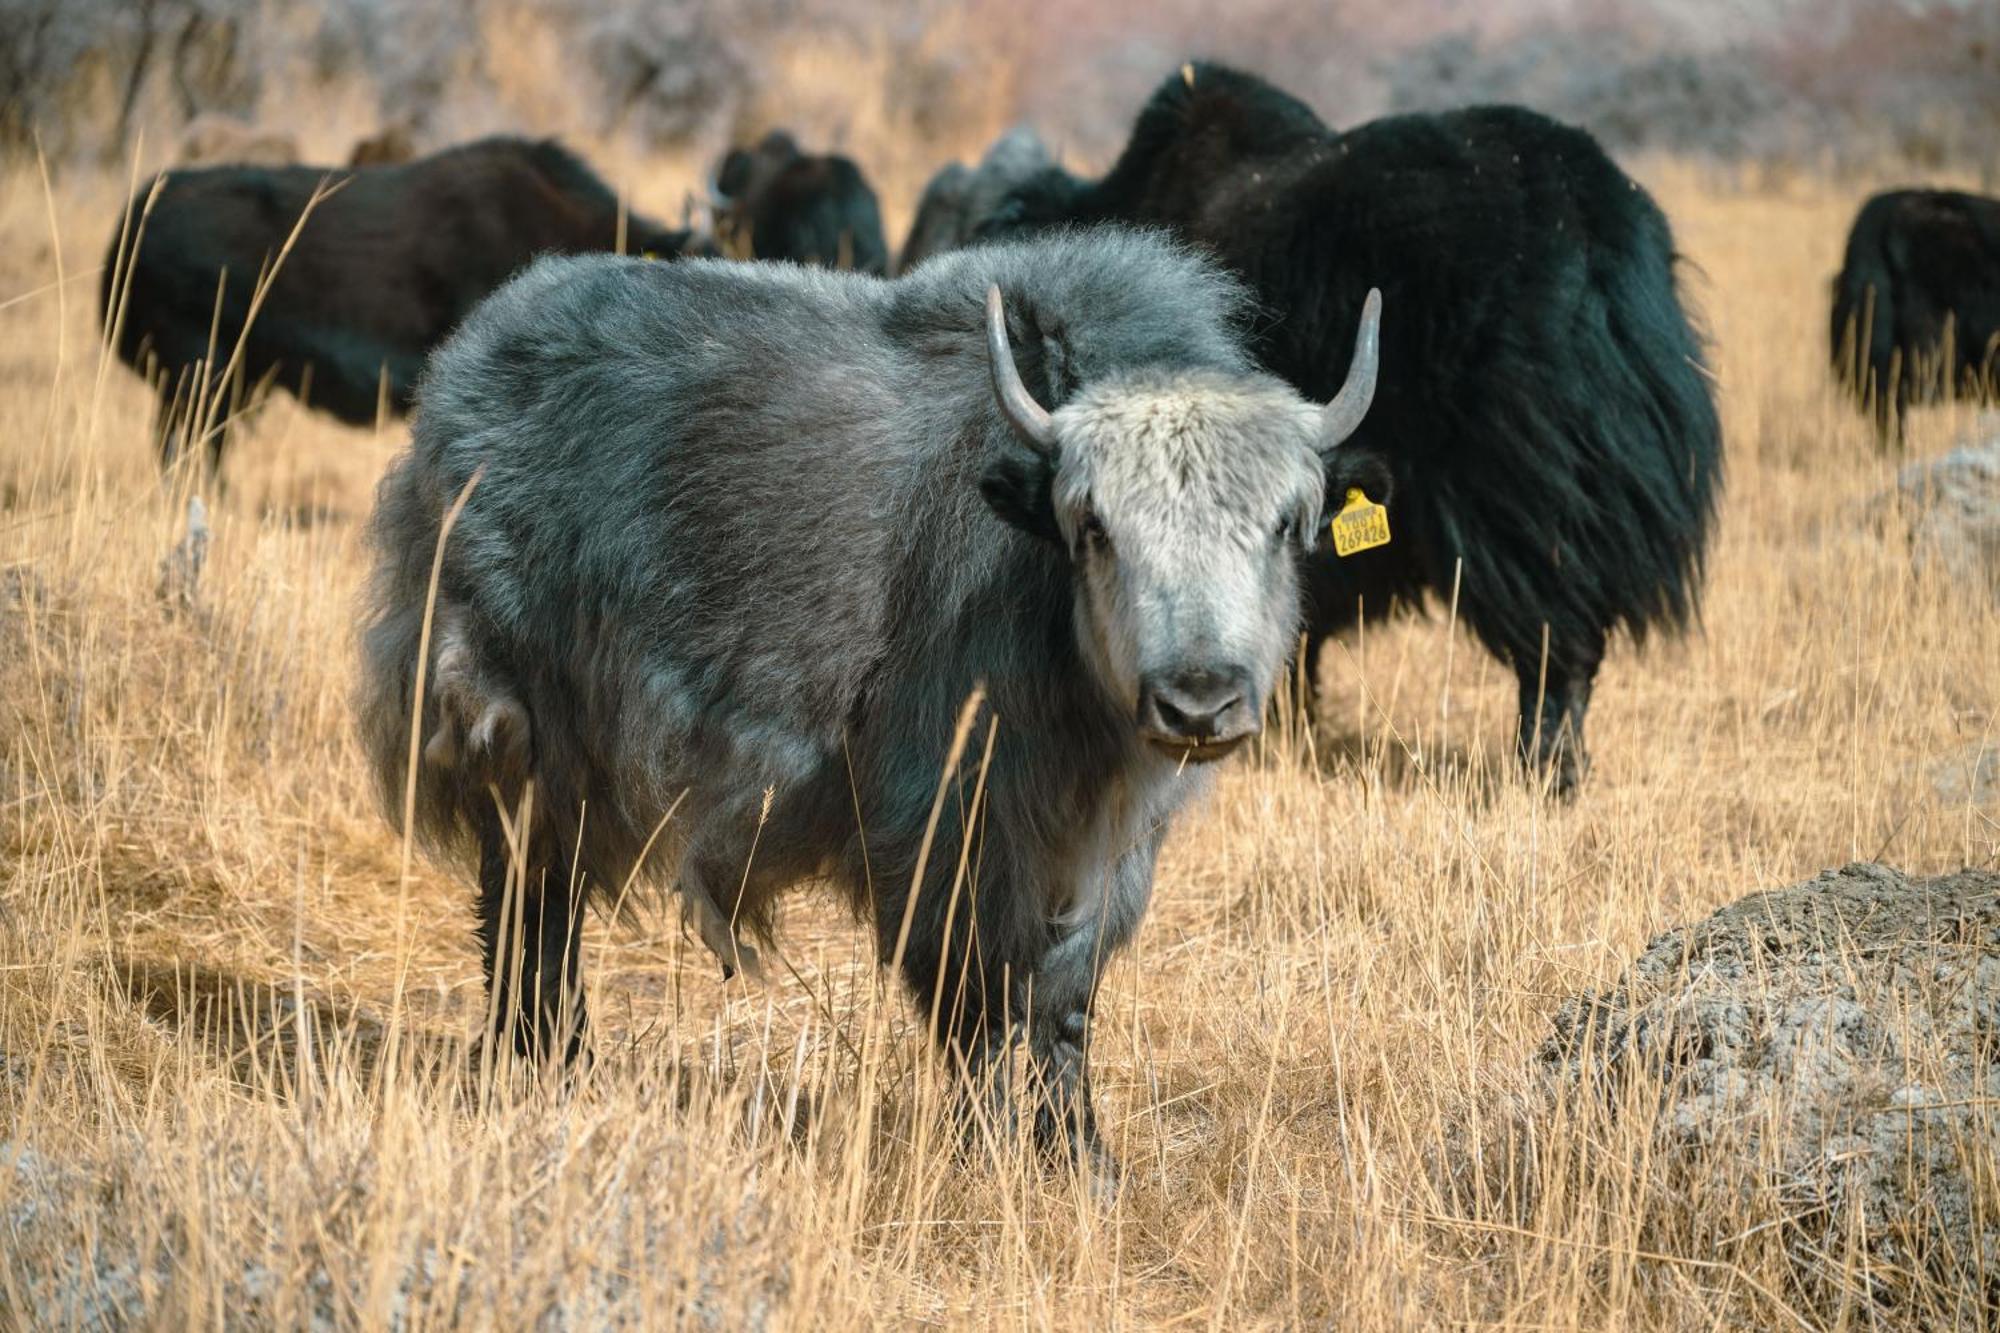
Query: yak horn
1343	415
1029	418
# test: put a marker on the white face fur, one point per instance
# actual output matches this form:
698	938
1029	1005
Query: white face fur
1184	500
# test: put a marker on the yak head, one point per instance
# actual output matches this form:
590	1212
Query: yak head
1184	500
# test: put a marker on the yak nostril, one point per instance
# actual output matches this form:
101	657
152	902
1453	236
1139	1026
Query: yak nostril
1195	704
1171	717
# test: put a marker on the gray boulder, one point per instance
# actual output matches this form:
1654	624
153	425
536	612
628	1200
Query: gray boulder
1953	506
1821	1066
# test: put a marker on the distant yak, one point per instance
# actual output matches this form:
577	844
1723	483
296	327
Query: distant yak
739	542
1545	416
1916	308
958	198
387	264
776	202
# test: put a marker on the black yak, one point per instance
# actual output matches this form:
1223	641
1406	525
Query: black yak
958	197
385	266
1544	411
776	202
744	539
1916	308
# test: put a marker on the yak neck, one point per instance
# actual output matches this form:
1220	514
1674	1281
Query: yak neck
1060	743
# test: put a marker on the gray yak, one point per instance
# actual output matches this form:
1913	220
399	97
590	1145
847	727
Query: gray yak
748	536
959	198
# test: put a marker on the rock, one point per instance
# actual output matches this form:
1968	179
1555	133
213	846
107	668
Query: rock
1971	777
1953	506
1831	1051
180	571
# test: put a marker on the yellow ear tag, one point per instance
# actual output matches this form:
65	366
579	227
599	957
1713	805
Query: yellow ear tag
1361	524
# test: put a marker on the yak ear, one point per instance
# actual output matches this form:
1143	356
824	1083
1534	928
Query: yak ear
1353	465
1018	488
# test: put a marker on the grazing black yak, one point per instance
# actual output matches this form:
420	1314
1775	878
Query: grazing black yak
1544	413
1049	471
385	266
777	202
1916	308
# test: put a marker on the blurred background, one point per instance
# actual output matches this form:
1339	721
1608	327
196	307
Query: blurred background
1823	84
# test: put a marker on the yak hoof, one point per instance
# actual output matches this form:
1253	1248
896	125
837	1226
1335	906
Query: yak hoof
1097	1172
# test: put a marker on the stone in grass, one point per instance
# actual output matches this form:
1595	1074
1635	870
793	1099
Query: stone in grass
1970	777
1953	505
1832	1051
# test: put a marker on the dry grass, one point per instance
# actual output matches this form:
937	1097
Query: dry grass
233	1085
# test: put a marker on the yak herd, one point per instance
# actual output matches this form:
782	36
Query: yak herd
693	571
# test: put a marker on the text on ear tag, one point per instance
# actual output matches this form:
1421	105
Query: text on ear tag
1361	524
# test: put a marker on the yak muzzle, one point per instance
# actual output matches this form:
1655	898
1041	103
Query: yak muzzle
1199	714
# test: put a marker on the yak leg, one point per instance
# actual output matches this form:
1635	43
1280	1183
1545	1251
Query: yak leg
531	936
964	983
715	870
1063	994
965	956
985	1094
1554	700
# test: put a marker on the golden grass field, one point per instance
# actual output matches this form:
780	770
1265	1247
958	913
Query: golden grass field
234	1080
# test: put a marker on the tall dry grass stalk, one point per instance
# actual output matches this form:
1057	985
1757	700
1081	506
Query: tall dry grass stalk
235	1084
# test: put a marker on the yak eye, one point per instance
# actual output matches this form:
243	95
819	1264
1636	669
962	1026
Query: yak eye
1090	533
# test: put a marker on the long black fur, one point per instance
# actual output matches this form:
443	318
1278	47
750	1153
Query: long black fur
383	269
1918	262
1545	413
803	207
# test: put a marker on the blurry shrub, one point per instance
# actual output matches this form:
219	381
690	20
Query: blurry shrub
666	70
1837	80
1844	85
